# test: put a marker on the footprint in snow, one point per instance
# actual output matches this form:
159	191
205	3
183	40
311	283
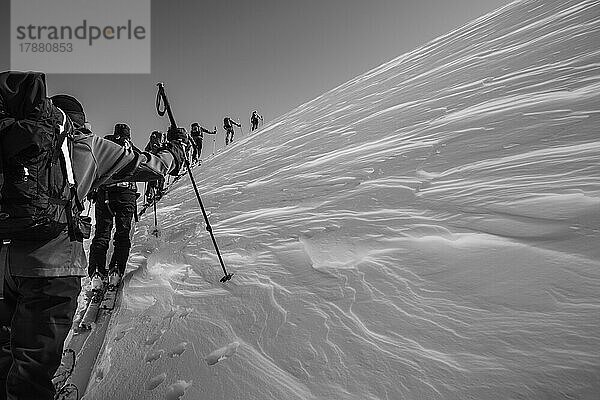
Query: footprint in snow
122	334
179	349
176	390
154	382
153	338
222	353
185	313
170	314
155	355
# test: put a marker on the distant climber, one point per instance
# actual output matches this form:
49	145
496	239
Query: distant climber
228	124
255	118
197	134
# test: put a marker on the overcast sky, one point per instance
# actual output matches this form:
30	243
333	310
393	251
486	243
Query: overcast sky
220	57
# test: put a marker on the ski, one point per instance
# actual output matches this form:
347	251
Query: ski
110	297
86	343
65	390
91	312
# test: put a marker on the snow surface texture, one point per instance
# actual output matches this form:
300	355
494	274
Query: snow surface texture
428	230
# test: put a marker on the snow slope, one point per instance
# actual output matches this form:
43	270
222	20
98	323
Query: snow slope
428	230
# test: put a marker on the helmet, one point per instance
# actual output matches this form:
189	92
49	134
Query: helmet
71	106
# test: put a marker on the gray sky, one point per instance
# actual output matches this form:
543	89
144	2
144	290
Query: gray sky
220	57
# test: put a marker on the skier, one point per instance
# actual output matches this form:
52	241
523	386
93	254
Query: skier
187	143
228	124
254	119
197	134
115	202
154	188
42	258
193	148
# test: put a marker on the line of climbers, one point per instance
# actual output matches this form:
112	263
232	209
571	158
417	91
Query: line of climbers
50	159
49	162
194	149
116	204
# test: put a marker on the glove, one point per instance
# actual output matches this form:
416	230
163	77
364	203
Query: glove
176	148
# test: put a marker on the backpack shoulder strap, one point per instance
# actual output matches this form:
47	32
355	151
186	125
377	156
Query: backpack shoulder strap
65	150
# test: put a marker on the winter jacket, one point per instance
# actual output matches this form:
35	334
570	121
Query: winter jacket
200	133
228	124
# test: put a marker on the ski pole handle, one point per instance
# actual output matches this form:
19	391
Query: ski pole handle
162	96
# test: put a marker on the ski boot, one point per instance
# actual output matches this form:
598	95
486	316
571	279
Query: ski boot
98	281
114	278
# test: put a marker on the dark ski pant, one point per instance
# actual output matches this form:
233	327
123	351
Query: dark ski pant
120	208
197	148
229	136
254	125
35	317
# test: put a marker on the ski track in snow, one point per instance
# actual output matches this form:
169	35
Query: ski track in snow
428	230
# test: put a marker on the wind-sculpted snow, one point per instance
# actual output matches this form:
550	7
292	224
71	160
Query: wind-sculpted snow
428	230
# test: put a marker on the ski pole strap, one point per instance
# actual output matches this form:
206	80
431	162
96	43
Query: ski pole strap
3	264
161	108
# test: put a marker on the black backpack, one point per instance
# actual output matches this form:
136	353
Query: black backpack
38	193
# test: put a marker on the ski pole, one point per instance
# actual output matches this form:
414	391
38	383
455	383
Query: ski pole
214	141
162	96
155	232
